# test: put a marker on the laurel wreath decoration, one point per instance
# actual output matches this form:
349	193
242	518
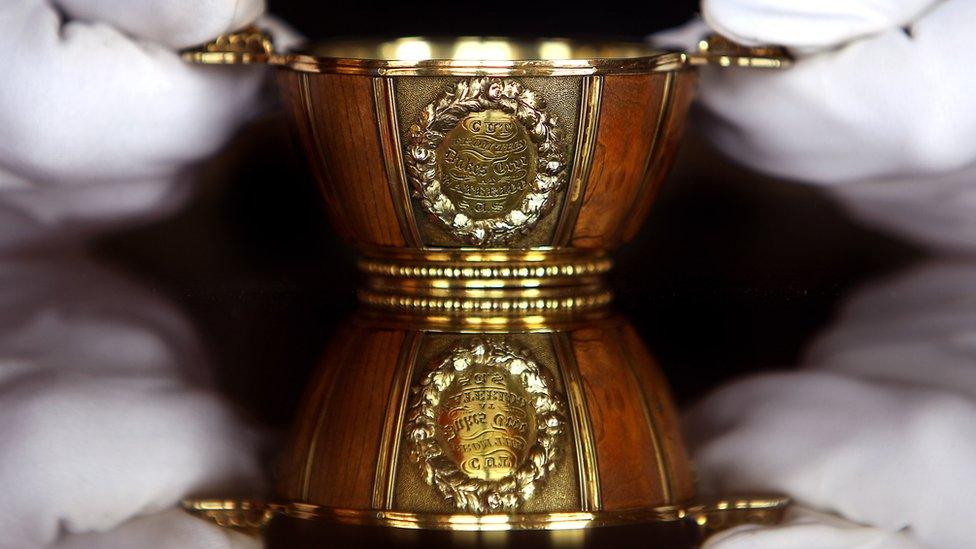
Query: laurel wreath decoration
476	495
440	117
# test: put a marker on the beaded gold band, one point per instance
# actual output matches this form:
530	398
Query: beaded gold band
485	281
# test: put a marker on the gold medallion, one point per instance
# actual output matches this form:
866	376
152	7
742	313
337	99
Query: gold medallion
486	159
485	164
486	426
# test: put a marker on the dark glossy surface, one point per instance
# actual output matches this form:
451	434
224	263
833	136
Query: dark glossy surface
290	532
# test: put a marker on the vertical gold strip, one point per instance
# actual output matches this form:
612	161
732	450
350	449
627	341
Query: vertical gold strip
384	481
386	116
586	460
589	123
664	111
663	467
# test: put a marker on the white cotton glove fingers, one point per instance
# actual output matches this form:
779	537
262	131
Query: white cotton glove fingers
170	529
807	529
883	454
92	105
174	23
918	329
681	38
73	316
104	412
890	106
284	36
808	24
84	453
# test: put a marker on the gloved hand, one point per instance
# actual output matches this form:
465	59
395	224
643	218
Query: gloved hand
99	117
107	413
879	424
878	105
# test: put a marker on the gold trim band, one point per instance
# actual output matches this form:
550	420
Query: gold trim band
710	515
490	302
485	281
589	121
663	62
586	459
539	270
384	91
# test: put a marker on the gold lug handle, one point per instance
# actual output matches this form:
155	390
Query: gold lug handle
244	515
714	514
247	46
720	51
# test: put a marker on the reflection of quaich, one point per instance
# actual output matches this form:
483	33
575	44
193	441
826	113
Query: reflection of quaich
487	426
485	423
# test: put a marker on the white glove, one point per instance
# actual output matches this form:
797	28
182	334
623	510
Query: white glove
879	105
879	425
106	413
99	115
105	408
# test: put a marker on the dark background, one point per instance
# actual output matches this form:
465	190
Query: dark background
732	273
479	18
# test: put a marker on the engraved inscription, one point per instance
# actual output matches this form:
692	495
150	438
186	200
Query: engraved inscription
485	164
487	423
486	426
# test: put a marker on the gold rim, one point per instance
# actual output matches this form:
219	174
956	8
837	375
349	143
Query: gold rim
471	55
663	62
711	514
418	56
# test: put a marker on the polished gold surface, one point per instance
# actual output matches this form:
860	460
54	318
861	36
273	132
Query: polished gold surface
436	427
496	56
718	50
480	281
591	93
710	516
248	516
585	446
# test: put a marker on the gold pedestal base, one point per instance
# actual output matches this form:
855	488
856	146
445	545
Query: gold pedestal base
482	282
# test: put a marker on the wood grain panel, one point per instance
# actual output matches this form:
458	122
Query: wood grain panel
290	470
343	138
342	464
663	416
292	91
666	148
628	118
629	474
